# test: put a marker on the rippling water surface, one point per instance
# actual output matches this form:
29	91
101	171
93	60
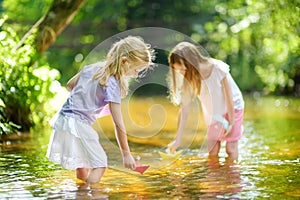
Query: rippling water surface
268	168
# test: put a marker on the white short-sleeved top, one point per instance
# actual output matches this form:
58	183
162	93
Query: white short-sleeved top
88	97
212	95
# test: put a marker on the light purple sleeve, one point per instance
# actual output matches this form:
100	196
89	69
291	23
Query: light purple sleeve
112	91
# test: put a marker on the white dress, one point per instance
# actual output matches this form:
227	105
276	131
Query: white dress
73	142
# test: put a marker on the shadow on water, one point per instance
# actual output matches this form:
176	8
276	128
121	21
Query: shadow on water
268	167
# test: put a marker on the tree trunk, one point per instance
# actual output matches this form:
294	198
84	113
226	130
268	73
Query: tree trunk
56	19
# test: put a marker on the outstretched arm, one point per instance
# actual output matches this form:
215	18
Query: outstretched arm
128	160
229	104
182	118
72	82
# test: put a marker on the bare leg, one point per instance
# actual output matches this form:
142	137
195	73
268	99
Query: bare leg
232	151
213	158
213	147
95	175
82	173
213	161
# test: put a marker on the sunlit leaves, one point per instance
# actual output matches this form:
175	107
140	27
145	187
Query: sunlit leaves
273	77
31	10
264	34
244	33
24	85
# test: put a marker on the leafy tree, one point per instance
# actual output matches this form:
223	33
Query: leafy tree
260	39
56	19
250	35
24	88
26	77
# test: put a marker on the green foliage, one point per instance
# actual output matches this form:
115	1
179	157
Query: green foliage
277	37
6	126
31	10
22	14
259	39
24	86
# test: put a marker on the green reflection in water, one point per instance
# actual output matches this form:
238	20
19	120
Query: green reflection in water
268	168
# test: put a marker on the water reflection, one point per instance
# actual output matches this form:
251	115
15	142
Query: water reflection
268	167
222	180
84	191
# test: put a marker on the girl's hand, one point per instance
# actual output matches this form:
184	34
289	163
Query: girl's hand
229	129
128	161
173	146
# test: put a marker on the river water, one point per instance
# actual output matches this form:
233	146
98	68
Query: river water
268	168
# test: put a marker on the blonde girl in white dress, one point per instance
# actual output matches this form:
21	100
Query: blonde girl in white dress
74	144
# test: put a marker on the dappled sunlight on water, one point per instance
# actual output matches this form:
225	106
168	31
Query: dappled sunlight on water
268	166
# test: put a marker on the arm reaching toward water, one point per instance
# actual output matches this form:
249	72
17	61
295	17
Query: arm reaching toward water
128	160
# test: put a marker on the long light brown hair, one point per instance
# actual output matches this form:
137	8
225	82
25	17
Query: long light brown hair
186	54
134	49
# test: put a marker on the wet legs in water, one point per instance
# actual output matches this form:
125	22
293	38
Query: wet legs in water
82	173
231	150
90	176
213	148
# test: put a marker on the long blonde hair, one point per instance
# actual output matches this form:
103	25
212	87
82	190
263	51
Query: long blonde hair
187	54
133	48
